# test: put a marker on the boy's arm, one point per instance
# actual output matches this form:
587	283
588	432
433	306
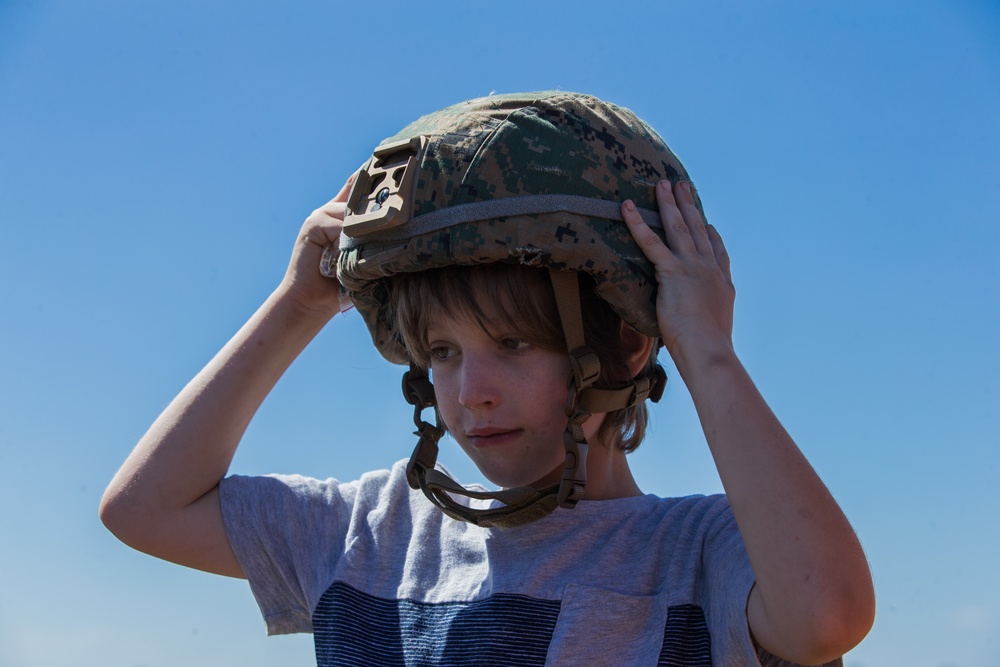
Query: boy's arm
814	599
165	498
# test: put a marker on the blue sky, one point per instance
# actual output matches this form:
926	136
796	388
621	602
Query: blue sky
156	160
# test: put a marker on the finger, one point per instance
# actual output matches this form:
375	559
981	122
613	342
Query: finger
336	207
652	246
720	252
676	231
346	190
695	222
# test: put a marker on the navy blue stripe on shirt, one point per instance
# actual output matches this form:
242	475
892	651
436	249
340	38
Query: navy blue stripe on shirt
353	628
686	642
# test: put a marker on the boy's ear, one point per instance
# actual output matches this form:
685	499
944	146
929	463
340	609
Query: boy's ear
637	348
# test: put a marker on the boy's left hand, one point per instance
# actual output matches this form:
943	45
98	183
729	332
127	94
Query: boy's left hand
813	599
694	302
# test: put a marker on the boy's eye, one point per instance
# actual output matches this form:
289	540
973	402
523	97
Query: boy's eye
440	352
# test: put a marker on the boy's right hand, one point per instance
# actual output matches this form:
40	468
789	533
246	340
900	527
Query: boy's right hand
165	498
309	289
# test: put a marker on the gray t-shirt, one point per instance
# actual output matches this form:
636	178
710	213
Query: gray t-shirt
382	577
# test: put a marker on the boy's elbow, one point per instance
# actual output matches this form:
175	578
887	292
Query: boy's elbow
826	632
119	515
110	511
849	622
127	518
838	635
842	627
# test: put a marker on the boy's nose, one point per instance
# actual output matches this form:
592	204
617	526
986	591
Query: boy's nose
480	383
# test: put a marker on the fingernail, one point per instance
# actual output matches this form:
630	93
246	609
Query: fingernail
664	184
629	206
687	186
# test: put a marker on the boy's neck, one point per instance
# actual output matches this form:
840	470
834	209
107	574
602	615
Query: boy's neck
608	474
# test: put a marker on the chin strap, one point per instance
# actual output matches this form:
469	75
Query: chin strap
521	505
525	504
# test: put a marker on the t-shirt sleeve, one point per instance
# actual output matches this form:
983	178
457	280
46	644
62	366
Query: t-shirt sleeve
288	533
729	580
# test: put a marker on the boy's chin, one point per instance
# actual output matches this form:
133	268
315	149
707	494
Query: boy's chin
512	479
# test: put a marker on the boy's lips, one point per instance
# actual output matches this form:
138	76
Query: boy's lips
486	437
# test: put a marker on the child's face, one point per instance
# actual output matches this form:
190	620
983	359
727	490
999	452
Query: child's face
503	399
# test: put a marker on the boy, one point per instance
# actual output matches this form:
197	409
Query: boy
509	246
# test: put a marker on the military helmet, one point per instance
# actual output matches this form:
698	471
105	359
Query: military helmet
535	179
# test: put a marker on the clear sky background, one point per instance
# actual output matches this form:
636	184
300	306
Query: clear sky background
157	159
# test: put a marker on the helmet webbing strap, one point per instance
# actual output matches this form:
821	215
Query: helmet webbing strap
489	209
585	368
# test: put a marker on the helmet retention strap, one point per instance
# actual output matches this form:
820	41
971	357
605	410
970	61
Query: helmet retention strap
521	505
585	369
